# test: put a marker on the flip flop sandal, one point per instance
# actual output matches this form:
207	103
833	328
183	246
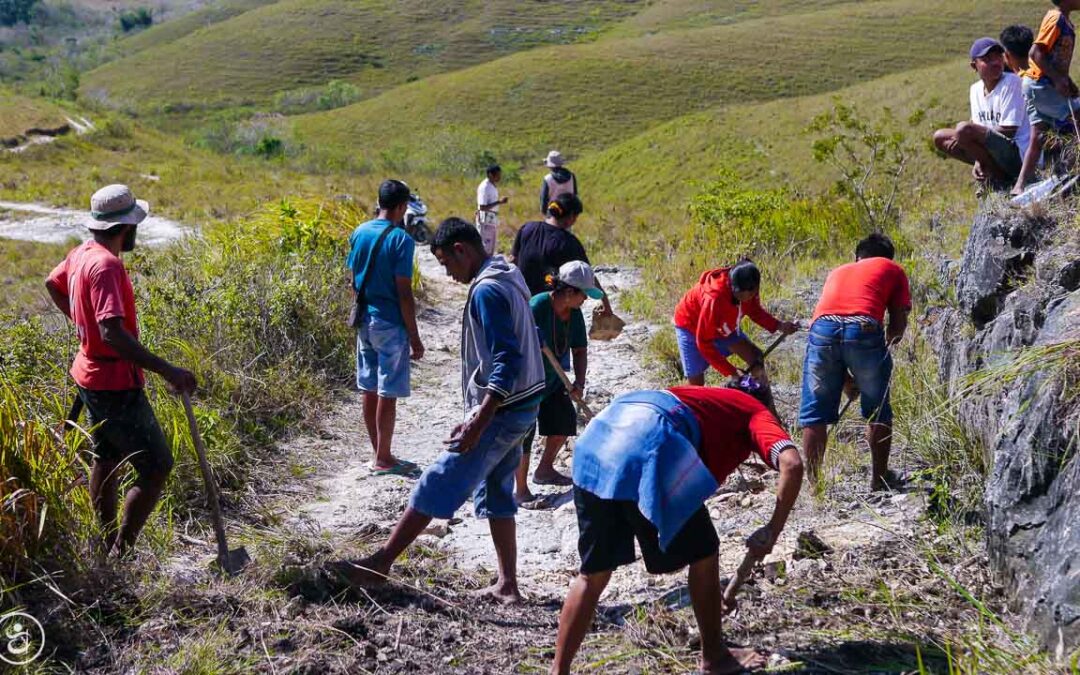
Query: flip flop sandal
564	481
540	503
401	469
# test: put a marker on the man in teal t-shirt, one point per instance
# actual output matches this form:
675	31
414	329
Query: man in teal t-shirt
562	330
387	337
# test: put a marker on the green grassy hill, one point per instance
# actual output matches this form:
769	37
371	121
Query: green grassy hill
19	113
377	45
618	87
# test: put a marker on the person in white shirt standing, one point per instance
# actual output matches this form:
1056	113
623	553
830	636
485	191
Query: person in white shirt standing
487	208
996	138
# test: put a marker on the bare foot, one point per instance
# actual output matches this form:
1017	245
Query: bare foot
369	571
501	592
733	661
523	497
552	477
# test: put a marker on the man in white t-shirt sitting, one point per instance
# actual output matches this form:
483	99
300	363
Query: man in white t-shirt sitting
995	139
487	208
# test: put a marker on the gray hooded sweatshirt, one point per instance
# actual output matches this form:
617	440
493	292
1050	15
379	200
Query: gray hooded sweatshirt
500	348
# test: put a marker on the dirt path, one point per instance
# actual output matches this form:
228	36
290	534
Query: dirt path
351	501
36	222
350	498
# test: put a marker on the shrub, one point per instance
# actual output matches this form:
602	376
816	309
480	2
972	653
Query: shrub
15	11
134	19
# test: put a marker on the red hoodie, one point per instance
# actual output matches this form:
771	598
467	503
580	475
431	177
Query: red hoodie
710	312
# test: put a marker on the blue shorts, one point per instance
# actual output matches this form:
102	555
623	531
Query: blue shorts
486	472
693	363
382	358
1045	105
833	349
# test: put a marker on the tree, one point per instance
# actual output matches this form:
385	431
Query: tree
14	11
871	157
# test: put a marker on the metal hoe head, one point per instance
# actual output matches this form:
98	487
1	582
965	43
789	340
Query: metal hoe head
233	562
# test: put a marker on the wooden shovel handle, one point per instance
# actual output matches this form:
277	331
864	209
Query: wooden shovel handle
550	356
208	478
743	573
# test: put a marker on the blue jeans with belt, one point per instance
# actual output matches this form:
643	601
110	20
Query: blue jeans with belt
835	348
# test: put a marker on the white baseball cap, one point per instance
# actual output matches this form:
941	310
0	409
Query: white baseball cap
554	159
579	275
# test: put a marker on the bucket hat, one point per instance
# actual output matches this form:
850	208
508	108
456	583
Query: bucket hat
115	205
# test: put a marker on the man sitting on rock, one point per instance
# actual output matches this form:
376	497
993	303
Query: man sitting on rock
643	469
848	335
502	382
996	138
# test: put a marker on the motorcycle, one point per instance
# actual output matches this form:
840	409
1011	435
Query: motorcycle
416	222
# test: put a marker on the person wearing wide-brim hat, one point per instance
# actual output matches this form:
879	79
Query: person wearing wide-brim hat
92	288
560	180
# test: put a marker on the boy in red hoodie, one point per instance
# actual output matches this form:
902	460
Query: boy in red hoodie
707	323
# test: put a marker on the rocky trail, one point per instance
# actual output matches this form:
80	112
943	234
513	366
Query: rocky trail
855	579
45	224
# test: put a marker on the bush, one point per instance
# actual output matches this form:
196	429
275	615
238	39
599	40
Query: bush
254	308
16	11
334	94
134	19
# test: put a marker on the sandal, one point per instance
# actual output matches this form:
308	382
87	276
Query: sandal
406	469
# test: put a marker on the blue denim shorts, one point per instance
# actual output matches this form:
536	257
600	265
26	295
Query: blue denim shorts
486	471
1045	105
833	349
382	358
693	363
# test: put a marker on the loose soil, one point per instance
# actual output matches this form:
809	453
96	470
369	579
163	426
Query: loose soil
858	582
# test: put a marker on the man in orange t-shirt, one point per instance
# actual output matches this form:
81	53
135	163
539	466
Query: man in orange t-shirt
92	288
848	335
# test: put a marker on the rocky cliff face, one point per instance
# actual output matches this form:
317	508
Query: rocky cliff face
1018	324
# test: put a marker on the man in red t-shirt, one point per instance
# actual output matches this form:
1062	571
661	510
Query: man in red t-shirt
92	288
848	339
708	317
642	470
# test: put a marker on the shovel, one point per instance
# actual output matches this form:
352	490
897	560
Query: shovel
743	573
550	356
231	562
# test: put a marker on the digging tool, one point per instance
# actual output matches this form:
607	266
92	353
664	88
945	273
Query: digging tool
231	562
743	573
605	325
550	356
74	411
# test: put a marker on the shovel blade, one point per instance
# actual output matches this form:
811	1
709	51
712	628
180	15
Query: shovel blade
234	563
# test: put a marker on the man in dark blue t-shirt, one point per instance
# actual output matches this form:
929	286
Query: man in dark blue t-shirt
387	336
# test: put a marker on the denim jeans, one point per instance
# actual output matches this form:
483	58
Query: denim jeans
833	349
486	471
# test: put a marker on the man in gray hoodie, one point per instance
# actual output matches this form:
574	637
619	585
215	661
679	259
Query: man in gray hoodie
502	382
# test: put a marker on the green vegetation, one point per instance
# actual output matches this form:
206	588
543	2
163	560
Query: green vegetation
241	60
21	113
135	19
14	11
254	308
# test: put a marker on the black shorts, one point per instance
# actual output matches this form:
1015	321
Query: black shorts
607	529
127	429
557	417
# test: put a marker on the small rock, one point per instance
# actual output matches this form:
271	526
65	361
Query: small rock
439	531
775	570
809	545
746	501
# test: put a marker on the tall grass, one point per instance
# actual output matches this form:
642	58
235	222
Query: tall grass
255	309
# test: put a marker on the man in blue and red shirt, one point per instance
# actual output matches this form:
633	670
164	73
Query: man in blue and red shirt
643	469
92	288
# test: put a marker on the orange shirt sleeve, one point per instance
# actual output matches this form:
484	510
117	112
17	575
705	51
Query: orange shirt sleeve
760	316
1050	30
769	437
901	292
59	277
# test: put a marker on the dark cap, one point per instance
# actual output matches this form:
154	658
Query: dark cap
984	46
393	193
745	276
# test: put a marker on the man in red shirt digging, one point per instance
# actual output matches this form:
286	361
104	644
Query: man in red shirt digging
92	288
643	469
708	317
848	335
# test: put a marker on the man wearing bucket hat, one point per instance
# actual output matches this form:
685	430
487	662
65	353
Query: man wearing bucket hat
561	325
92	288
558	181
